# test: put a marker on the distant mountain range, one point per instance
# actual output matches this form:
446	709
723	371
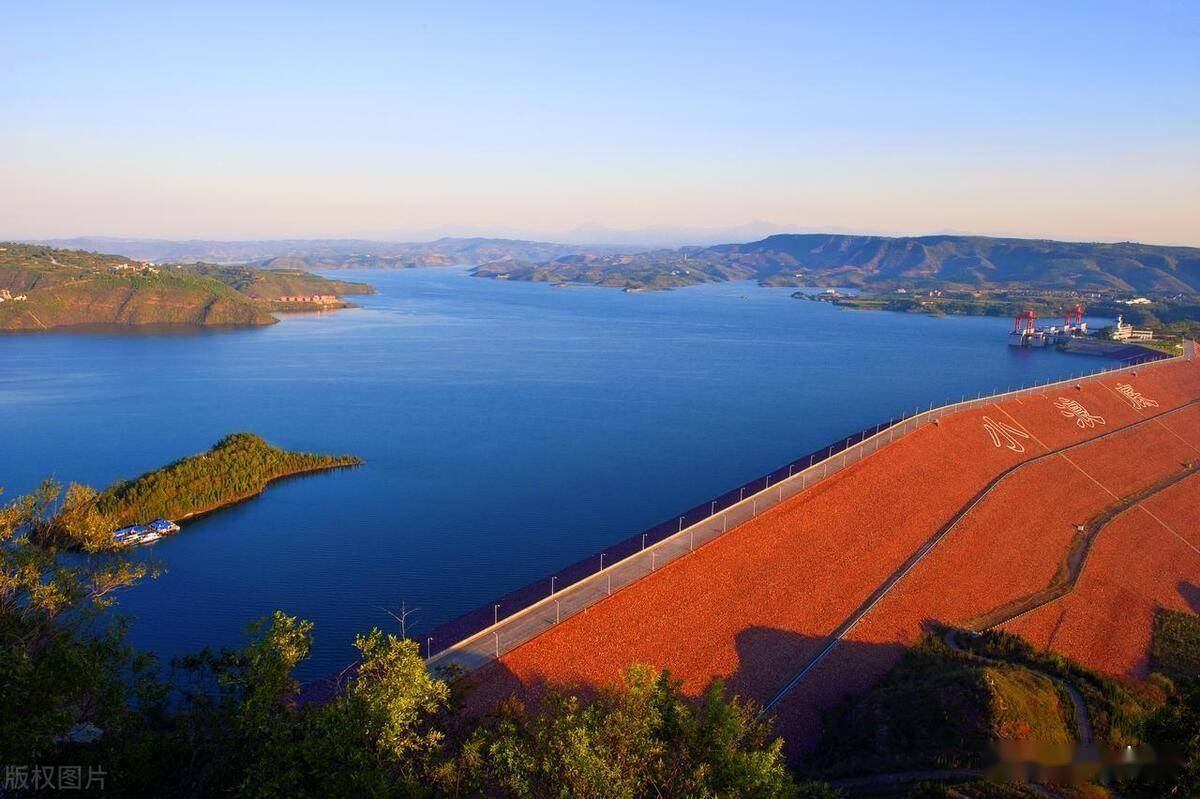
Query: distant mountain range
792	259
671	236
879	262
327	253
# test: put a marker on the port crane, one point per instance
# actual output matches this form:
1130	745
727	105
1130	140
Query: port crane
1073	324
1025	333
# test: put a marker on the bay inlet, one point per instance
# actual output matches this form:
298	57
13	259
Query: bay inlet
507	430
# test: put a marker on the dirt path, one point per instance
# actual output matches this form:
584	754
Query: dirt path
35	318
1076	558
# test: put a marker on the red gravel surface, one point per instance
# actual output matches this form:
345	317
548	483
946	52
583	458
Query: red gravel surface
1014	547
1044	418
755	604
1136	566
1179	508
1186	425
1133	459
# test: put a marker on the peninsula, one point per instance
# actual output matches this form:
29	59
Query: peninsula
43	288
238	467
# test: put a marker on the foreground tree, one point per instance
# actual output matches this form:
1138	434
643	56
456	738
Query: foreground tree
233	723
66	673
379	736
1174	731
640	738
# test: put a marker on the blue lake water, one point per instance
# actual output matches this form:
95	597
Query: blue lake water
508	429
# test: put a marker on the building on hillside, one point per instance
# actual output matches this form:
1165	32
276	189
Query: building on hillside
136	267
319	299
1126	332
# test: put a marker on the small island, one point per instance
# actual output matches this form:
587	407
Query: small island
43	288
238	467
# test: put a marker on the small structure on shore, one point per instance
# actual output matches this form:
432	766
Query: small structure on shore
1126	332
318	299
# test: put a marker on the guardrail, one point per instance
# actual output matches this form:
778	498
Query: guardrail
488	632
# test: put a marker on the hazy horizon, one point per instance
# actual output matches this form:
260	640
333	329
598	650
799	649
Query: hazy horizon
1078	122
666	236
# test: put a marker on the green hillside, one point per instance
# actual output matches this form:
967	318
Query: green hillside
938	708
271	284
50	288
1176	648
951	700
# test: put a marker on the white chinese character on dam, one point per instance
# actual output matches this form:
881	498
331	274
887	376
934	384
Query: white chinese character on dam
1073	410
1135	397
1003	434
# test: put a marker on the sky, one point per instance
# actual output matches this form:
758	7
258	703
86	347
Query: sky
243	120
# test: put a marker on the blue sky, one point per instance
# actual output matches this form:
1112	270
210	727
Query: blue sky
244	120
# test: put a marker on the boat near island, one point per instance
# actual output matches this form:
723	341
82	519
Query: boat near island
138	534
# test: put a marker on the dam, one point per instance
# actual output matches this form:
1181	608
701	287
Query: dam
808	589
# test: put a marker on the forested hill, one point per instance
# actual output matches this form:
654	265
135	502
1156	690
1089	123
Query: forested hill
883	262
43	288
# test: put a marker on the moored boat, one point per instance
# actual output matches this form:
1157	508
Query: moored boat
143	533
134	534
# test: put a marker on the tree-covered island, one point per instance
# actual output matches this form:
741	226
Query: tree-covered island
237	467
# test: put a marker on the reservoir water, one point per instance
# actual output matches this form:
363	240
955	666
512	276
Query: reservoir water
508	429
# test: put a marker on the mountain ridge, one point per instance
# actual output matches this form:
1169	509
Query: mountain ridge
329	253
879	262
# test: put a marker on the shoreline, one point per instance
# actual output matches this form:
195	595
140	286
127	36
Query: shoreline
170	327
197	514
